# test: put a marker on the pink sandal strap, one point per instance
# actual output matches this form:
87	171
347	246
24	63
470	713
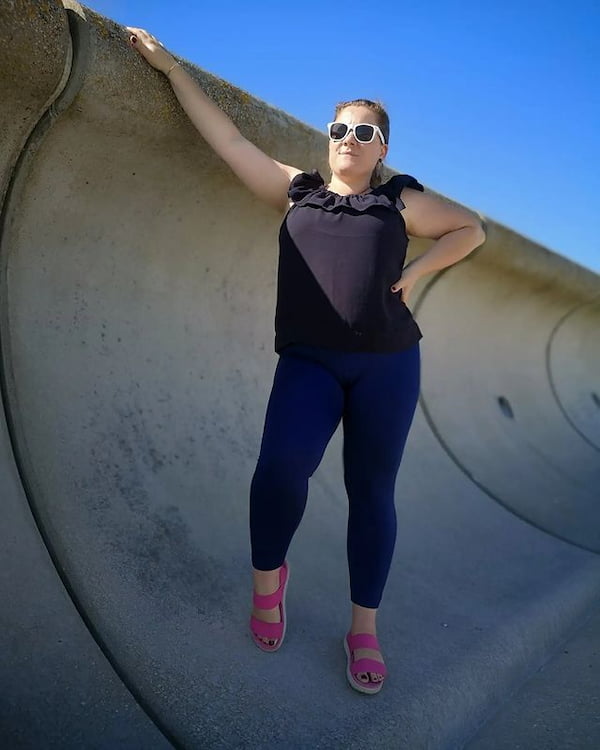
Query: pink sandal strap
368	665
267	601
270	601
266	629
362	640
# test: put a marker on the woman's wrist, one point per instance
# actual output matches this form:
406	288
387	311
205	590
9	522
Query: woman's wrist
412	269
171	67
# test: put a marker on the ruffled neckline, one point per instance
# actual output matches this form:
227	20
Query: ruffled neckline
309	189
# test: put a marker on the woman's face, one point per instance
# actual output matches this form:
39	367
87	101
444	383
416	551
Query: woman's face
350	158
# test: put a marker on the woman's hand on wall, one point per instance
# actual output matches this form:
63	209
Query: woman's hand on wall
150	48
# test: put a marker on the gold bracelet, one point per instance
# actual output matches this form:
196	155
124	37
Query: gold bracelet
171	68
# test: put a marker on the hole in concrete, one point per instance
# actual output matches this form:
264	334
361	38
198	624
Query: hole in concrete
505	407
596	399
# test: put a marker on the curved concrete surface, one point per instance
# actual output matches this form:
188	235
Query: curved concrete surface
57	689
574	366
488	391
138	291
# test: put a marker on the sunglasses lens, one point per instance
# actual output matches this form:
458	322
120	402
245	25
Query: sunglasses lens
338	130
364	133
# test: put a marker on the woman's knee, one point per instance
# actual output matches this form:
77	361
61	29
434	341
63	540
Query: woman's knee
283	468
375	477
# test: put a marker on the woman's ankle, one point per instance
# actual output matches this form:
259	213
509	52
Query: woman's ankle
364	620
266	581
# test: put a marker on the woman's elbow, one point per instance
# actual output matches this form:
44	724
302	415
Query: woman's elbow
480	230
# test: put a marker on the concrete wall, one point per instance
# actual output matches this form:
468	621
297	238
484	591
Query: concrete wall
137	295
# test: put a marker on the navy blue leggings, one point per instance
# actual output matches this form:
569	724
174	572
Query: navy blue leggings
313	388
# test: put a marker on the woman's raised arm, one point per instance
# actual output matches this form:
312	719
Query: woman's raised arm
267	178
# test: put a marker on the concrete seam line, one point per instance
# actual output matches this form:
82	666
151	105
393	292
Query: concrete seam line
44	109
78	56
567	635
454	458
553	388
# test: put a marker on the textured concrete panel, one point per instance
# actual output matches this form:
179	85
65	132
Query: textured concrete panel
574	366
36	64
489	395
559	707
57	688
138	296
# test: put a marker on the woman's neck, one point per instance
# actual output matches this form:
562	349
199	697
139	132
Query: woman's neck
347	188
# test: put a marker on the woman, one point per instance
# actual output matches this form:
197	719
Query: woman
348	346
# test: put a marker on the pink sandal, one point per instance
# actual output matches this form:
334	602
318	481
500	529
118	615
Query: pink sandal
260	629
354	668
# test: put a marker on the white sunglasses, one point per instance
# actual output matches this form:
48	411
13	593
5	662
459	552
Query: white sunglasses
364	132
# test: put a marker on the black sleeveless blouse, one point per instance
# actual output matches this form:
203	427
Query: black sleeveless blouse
338	257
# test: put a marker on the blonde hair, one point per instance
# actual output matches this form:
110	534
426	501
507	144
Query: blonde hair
382	120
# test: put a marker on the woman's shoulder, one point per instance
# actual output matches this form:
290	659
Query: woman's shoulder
306	181
398	182
393	188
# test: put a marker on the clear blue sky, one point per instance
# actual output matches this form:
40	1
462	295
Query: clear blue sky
494	104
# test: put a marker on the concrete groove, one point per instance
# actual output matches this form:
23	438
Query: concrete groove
455	459
559	402
60	99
